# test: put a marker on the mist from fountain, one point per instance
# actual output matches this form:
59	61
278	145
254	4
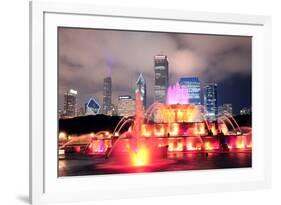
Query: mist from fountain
233	120
177	95
227	118
140	152
133	149
135	127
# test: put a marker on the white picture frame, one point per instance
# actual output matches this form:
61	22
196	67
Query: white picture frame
46	187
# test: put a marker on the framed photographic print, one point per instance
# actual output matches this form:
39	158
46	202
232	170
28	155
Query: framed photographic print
128	102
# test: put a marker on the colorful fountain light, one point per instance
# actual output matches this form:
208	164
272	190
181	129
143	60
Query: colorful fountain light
140	157
178	114
177	95
131	149
176	126
139	154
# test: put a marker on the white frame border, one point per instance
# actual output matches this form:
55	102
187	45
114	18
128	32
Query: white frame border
37	11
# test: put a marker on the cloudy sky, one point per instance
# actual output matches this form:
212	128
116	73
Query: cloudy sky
87	56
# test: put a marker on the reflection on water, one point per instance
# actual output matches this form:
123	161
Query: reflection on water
77	165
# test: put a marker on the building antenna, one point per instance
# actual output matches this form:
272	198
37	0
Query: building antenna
109	64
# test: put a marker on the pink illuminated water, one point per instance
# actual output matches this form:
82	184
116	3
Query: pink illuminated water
177	95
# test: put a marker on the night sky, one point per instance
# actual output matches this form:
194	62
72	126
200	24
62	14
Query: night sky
87	56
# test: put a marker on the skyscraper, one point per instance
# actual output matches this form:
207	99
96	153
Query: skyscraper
92	107
81	111
60	113
113	110
126	106
245	111
107	92
225	108
141	88
70	103
161	69
192	85
211	100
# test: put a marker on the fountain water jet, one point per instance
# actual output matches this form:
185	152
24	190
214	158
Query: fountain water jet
165	128
139	152
177	95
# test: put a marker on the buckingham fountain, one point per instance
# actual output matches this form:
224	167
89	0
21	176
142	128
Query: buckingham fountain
154	134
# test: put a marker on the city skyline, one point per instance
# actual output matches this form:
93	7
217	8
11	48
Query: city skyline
207	97
76	72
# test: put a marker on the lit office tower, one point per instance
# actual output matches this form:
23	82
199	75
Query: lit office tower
92	107
106	106
211	99
225	108
192	85
60	113
161	68
126	106
70	103
141	88
245	111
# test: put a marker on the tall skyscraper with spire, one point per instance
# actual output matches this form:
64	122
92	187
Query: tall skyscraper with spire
107	92
141	88
107	88
161	69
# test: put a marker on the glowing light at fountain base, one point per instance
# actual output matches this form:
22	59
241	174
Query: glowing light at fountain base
140	157
176	127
